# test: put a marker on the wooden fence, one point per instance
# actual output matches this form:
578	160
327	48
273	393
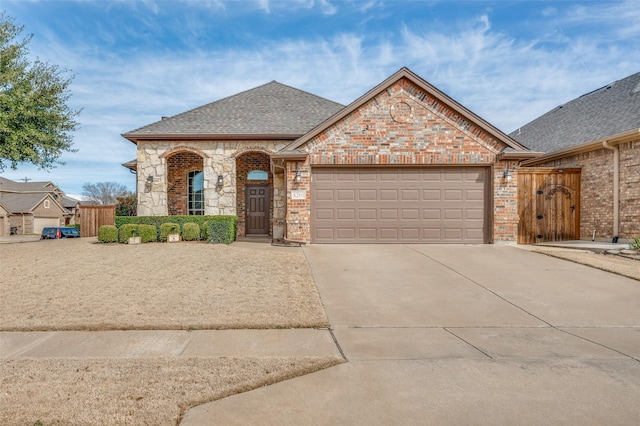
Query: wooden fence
548	205
93	217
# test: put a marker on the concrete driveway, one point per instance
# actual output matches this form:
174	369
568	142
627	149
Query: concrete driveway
440	334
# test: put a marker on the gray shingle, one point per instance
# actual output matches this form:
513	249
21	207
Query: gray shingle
270	109
612	109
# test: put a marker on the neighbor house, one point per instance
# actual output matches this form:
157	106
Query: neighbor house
404	163
587	183
28	207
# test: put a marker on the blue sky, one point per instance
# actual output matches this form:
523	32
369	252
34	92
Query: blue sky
136	61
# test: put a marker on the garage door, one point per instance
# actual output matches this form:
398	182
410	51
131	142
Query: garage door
399	205
42	222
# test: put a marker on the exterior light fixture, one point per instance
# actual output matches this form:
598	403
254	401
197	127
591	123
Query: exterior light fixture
220	182
507	176
149	184
298	175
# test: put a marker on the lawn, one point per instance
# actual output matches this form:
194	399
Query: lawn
84	285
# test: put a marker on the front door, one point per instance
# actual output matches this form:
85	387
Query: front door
257	222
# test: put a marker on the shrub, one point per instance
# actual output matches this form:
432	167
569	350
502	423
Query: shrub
634	243
148	233
167	229
108	234
205	230
127	231
190	231
222	229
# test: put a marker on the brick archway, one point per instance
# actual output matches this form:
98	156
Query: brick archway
179	164
246	163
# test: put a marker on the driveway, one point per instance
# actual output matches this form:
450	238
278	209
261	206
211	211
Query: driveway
439	334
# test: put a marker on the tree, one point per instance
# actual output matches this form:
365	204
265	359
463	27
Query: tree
105	192
127	205
35	121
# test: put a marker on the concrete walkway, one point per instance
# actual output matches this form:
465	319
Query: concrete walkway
460	335
154	343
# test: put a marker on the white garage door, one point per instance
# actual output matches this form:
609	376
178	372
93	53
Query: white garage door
399	205
42	222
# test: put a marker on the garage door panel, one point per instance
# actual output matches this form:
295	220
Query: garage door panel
388	194
346	214
388	214
429	205
324	194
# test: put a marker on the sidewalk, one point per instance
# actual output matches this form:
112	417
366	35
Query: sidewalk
167	343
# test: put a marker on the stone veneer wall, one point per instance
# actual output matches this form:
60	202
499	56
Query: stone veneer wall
404	126
596	190
219	158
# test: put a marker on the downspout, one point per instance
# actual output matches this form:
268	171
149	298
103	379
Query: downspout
616	188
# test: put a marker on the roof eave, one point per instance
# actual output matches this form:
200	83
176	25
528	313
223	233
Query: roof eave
135	138
290	155
616	139
518	155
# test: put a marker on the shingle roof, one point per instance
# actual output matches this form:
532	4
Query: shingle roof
10	185
610	110
270	109
21	203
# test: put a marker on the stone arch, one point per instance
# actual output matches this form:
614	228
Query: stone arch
181	162
247	149
247	160
180	148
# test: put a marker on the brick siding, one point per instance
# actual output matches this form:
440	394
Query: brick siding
404	126
179	164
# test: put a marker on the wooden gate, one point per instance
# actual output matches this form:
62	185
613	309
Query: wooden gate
93	217
548	205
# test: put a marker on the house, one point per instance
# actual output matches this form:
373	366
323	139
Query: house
404	163
595	137
28	207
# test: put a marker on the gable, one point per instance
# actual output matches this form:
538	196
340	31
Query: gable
404	122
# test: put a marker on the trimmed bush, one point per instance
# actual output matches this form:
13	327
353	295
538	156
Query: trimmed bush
190	231
108	234
127	231
222	229
148	233
205	230
167	229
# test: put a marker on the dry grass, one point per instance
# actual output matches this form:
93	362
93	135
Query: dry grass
84	285
131	391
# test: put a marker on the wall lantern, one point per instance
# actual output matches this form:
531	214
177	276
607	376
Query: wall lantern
220	182
507	176
149	184
298	173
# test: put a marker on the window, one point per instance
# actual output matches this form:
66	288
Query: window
257	175
195	195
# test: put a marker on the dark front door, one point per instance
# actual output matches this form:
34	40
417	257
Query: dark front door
257	209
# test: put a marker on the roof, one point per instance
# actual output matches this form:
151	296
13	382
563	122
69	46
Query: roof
24	203
610	110
13	186
423	85
271	110
23	197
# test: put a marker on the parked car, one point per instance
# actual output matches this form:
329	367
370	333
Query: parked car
59	232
